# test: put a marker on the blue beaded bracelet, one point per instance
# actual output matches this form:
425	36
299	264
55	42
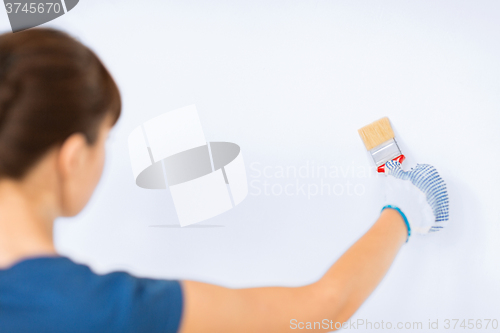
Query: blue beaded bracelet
404	218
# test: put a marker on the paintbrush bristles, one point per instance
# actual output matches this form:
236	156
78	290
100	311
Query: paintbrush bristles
376	133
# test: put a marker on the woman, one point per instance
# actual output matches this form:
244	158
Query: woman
57	105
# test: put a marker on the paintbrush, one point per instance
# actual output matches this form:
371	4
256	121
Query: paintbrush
379	140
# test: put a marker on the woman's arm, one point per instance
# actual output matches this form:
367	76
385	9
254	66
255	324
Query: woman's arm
336	296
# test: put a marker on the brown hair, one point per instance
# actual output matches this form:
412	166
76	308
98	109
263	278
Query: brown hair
51	86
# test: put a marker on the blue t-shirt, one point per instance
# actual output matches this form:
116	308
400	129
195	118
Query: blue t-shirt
54	294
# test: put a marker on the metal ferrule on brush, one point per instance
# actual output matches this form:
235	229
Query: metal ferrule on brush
378	138
385	152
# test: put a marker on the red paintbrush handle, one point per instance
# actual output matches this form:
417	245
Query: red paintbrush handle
400	159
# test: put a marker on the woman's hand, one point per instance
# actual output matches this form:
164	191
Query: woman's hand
420	195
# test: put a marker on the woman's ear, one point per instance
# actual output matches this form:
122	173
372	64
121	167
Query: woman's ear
72	165
71	157
79	168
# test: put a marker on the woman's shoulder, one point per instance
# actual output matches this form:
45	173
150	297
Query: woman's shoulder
61	270
70	293
42	266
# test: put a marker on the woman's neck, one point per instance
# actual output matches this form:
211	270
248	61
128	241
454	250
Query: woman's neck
26	223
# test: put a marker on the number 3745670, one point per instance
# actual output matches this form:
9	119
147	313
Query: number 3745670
34	7
475	324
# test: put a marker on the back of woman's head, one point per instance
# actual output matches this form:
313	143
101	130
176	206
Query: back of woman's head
51	86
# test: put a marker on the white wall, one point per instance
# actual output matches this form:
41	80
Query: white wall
291	82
